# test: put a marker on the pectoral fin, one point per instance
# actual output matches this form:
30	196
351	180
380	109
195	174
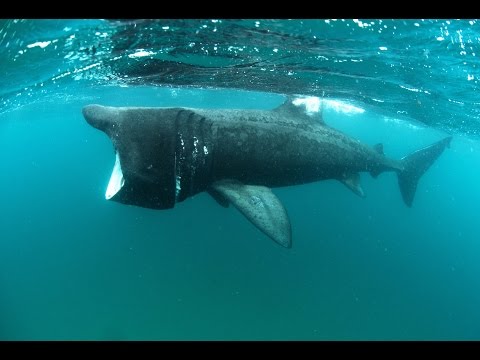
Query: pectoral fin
260	205
219	198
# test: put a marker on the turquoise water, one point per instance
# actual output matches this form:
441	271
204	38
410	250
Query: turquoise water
75	266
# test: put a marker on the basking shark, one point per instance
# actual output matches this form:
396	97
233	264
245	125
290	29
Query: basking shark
165	155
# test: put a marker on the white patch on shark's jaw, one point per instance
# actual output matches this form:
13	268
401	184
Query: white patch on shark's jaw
116	179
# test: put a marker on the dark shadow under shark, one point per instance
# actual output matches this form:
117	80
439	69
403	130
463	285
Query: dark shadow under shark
165	155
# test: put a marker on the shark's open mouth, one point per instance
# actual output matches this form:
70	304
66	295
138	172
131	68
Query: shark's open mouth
116	179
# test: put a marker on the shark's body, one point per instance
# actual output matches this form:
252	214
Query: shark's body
165	155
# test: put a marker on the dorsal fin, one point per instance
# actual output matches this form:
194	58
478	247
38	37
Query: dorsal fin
289	108
379	148
299	111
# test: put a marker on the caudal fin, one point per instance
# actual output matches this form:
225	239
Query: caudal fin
415	165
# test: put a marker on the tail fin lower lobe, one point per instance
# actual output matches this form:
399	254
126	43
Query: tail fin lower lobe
415	165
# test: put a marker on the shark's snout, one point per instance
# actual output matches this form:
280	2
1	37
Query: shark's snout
101	117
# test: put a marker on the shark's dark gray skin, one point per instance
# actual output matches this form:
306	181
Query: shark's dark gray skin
165	155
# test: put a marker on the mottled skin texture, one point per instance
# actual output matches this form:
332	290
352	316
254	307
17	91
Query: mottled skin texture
170	154
272	148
